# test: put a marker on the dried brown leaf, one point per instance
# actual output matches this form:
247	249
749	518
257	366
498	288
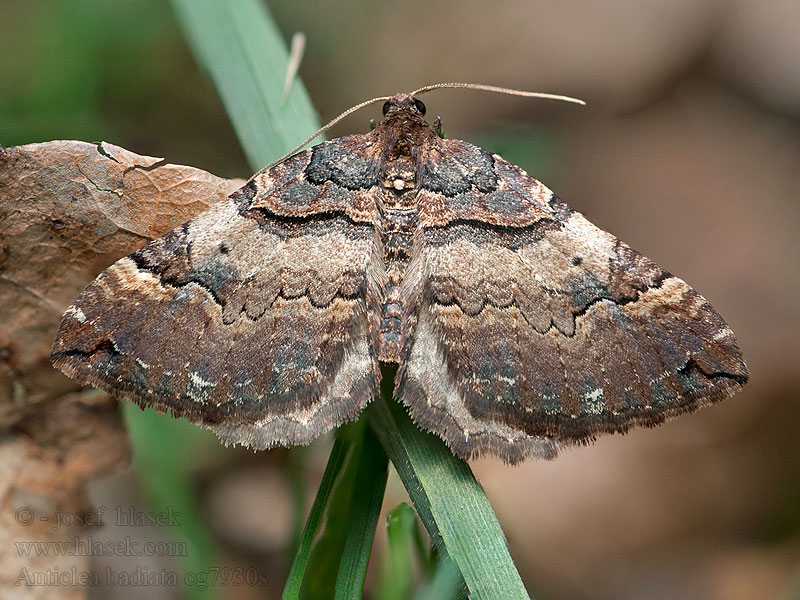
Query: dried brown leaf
68	209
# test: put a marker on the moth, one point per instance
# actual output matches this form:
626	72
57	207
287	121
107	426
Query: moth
516	325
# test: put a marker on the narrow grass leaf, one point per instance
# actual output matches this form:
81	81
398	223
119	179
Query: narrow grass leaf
451	503
239	44
325	561
336	461
367	496
397	569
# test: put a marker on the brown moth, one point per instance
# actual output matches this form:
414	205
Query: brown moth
517	326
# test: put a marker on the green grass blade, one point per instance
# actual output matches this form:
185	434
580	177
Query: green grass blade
345	534
451	503
367	495
314	522
239	44
326	554
397	570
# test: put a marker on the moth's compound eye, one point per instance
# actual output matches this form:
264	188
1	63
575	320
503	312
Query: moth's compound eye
420	106
386	106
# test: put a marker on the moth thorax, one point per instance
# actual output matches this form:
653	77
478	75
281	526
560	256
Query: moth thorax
399	177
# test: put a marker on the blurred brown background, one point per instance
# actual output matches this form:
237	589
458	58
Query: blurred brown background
689	150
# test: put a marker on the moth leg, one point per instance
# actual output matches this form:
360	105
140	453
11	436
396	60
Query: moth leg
372	124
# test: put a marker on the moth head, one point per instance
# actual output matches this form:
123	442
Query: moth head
409	102
403	102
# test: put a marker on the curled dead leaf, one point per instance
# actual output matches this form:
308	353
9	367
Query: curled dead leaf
68	209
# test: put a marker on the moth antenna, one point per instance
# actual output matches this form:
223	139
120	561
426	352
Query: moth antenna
498	90
422	90
325	128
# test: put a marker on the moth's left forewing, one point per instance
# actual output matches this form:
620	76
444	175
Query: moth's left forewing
538	328
250	319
